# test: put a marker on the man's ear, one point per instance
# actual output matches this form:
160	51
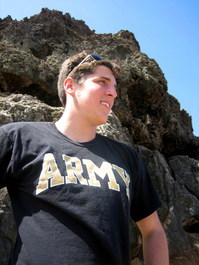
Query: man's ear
69	85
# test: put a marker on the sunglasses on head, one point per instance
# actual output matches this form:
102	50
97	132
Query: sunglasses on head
90	57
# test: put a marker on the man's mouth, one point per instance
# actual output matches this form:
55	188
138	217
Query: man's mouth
105	104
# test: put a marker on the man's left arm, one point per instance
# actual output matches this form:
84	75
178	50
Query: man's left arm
155	248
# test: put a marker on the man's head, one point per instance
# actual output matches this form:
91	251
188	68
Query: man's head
79	67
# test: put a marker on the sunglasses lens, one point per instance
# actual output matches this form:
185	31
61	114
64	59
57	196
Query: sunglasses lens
90	57
96	57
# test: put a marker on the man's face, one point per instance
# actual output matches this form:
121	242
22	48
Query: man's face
95	96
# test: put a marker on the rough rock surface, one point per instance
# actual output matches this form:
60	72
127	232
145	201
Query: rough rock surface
145	115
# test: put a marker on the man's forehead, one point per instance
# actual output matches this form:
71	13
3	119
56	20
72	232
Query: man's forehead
104	71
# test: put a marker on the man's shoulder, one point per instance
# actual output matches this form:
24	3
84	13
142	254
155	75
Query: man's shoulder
117	144
22	126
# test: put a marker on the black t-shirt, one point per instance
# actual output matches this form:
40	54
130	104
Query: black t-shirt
72	201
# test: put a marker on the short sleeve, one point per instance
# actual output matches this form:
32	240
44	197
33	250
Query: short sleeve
146	199
5	156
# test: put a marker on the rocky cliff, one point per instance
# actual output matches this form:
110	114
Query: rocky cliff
145	115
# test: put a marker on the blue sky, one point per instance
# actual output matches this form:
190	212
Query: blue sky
167	31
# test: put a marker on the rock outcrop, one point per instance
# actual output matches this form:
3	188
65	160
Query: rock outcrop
145	115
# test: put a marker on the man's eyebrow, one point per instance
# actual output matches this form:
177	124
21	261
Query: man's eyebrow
108	79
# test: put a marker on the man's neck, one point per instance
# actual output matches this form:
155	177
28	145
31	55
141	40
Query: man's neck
75	130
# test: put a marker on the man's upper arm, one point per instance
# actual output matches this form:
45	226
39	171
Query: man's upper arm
155	247
149	224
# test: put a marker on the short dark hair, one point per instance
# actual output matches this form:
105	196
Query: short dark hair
71	67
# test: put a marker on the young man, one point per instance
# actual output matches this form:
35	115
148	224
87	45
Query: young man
73	191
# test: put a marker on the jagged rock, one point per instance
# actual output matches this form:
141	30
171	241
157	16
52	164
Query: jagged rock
18	107
180	211
186	173
144	116
7	227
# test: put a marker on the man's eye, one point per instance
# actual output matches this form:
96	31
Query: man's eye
102	82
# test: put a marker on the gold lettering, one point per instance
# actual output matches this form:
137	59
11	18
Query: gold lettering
74	170
125	176
50	175
105	169
50	172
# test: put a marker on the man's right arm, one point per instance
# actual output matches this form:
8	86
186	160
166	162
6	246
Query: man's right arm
155	248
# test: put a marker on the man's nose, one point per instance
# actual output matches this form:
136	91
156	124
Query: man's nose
111	91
